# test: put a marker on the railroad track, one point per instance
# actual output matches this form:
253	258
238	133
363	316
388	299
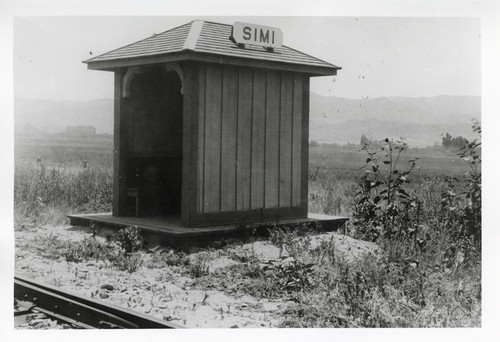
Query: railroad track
76	310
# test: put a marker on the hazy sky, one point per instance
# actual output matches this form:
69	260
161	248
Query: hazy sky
379	56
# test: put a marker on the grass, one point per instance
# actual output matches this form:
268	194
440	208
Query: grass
430	276
45	192
328	290
433	163
50	246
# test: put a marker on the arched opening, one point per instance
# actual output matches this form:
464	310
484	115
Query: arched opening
154	162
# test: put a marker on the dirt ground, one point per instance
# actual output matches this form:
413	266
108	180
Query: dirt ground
167	293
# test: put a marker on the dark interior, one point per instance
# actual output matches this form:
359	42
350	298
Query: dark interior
154	162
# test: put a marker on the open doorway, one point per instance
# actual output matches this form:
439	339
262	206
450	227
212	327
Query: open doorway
154	161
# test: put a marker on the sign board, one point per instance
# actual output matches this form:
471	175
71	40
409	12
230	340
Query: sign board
244	33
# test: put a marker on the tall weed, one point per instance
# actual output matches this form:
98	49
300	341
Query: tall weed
40	189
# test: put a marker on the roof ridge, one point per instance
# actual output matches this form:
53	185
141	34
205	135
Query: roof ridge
193	35
140	40
217	23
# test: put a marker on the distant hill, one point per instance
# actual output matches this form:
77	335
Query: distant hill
419	120
333	120
416	134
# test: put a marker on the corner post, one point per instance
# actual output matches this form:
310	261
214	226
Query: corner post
305	145
118	149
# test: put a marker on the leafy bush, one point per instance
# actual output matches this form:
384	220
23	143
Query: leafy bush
427	273
127	262
88	248
382	205
291	275
460	207
200	266
471	212
168	259
385	210
130	239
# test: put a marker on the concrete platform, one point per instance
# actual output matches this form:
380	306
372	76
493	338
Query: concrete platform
169	228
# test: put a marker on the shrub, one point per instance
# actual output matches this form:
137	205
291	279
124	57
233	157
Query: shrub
171	258
130	239
127	262
471	212
460	208
200	266
293	275
382	205
88	248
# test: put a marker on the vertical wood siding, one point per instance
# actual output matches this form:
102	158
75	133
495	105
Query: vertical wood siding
249	139
213	125
258	139
286	114
190	143
272	154
244	142
228	136
201	137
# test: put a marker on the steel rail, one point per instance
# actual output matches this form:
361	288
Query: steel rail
87	313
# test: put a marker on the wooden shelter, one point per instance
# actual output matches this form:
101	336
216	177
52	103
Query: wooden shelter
209	128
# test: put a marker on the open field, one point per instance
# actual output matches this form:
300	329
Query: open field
421	267
79	172
64	151
99	150
338	159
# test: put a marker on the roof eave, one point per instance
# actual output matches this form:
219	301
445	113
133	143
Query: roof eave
111	65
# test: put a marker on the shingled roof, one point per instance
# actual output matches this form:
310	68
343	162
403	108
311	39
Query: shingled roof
207	41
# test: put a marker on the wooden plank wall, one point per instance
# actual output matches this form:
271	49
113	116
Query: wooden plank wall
244	134
249	139
272	138
229	136
213	139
